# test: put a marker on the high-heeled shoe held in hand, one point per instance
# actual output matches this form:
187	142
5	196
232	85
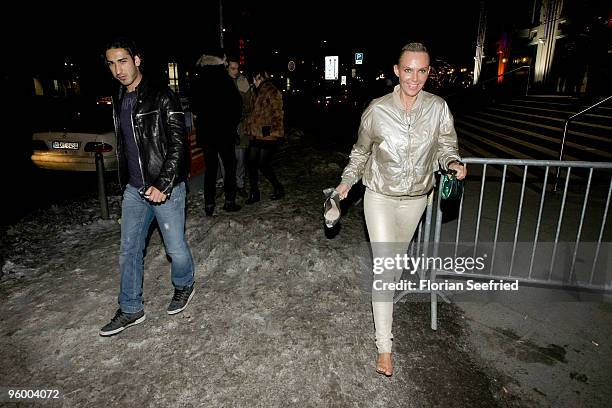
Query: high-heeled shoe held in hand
331	207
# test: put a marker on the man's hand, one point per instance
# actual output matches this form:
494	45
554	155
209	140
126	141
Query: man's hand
459	168
343	190
154	195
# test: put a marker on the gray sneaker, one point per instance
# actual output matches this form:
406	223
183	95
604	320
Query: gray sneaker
181	299
122	321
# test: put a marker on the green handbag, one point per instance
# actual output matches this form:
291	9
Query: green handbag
451	187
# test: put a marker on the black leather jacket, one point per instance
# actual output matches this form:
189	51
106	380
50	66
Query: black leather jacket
158	121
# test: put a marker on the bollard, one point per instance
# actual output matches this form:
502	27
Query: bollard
101	185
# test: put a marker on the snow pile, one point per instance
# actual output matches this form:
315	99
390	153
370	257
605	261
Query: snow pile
280	316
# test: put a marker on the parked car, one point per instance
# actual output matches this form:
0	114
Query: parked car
68	133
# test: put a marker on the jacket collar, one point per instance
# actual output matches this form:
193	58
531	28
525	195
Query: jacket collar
398	101
140	89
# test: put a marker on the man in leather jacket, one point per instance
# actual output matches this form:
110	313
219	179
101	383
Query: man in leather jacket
152	151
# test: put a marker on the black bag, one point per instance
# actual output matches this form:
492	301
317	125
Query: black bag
452	188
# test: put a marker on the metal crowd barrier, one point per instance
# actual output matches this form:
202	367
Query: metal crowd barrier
570	259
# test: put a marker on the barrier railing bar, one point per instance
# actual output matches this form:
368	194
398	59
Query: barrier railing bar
482	186
415	239
518	219
552	261
601	231
584	206
540	163
537	231
432	274
544	282
427	231
499	210
420	237
458	224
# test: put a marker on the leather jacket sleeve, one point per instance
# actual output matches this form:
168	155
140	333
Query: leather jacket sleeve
173	120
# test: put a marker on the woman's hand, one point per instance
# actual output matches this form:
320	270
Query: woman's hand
460	169
343	190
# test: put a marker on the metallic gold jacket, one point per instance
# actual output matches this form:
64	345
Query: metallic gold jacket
397	153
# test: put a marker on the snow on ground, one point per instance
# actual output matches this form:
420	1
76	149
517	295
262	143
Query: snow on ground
279	318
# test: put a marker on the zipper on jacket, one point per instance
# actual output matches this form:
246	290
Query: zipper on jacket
169	185
408	120
117	136
135	141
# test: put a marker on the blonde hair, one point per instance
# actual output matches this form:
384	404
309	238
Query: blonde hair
413	47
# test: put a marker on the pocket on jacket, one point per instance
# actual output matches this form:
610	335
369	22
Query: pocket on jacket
148	123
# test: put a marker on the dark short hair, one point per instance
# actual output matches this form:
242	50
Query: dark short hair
233	56
125	43
413	47
260	70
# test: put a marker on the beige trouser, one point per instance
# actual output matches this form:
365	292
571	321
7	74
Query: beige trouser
390	220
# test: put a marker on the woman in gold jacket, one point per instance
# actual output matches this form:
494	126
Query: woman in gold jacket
403	137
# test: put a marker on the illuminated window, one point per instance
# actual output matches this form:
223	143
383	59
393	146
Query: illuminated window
173	81
38	88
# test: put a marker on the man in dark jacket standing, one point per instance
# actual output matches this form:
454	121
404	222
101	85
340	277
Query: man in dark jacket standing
152	150
217	106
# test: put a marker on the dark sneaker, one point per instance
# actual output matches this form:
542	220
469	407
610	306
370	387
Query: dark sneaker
279	192
181	299
122	321
253	197
231	207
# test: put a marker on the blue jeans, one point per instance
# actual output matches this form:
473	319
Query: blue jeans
136	217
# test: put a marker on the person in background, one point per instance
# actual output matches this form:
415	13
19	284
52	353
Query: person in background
152	147
403	137
265	126
243	86
217	108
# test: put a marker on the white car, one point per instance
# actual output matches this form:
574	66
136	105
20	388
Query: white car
73	132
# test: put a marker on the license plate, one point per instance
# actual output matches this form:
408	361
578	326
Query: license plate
65	145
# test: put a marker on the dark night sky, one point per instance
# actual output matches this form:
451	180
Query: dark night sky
448	27
183	30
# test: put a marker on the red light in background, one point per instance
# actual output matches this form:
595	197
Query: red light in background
241	45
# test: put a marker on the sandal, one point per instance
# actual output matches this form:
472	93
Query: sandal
383	367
